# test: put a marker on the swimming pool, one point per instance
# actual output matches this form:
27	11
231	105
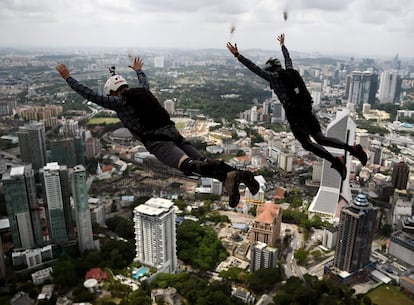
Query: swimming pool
137	273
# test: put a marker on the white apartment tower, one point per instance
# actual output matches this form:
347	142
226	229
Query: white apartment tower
54	180
390	87
262	256
159	62
155	234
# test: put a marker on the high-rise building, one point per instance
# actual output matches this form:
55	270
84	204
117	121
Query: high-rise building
254	114
332	189
7	105
92	147
363	87
390	87
159	62
262	256
62	151
55	180
169	105
286	162
399	176
402	246
216	187
266	226
278	113
355	235
267	106
155	234
82	213
22	208
32	144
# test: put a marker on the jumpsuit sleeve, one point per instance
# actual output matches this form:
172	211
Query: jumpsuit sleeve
267	75
109	102
142	79
288	60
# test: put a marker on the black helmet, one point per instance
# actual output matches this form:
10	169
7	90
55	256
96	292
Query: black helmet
272	63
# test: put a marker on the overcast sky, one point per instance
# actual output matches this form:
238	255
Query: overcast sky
352	27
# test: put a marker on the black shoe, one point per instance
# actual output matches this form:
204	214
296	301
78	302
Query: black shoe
339	165
358	152
248	179
232	186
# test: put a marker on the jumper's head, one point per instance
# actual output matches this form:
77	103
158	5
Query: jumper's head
272	64
114	83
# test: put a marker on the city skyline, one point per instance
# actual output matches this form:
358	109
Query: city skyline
371	29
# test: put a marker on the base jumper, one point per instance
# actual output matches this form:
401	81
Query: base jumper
290	88
140	112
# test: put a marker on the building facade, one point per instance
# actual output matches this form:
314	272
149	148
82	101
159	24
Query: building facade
22	209
155	234
362	88
32	144
82	212
389	87
262	256
267	224
399	176
326	203
355	235
402	246
55	181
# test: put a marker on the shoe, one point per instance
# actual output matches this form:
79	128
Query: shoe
232	186
339	165
358	152
248	179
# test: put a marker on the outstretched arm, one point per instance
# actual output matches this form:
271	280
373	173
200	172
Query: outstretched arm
110	102
288	60
251	65
136	65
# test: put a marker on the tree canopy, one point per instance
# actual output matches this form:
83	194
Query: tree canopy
199	246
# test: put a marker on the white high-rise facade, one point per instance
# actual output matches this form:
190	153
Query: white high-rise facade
262	256
332	189
169	105
390	87
155	234
52	181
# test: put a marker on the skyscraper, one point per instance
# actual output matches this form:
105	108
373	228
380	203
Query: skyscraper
56	193
278	113
32	144
19	197
355	235
155	235
362	87
92	147
399	176
82	213
390	87
266	226
332	189
62	151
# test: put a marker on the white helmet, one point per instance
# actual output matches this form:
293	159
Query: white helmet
113	83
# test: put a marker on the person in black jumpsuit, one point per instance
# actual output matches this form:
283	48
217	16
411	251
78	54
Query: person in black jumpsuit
297	103
140	112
